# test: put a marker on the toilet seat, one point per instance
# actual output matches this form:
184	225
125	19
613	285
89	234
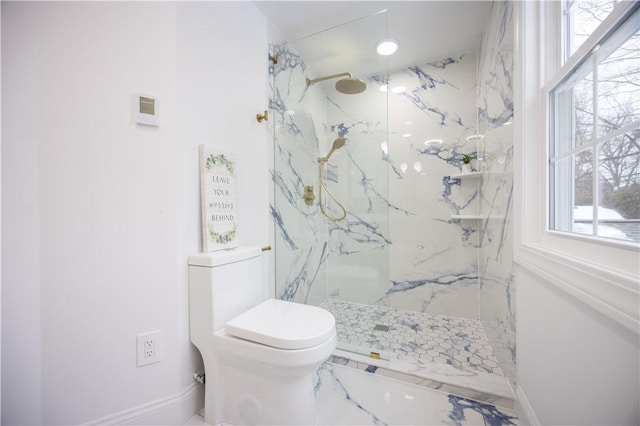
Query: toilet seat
284	325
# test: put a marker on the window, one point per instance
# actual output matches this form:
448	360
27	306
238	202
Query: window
580	19
594	116
576	144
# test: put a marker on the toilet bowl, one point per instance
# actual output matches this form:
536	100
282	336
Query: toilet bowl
260	355
267	366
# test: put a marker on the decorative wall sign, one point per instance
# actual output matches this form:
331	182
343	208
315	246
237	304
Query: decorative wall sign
218	200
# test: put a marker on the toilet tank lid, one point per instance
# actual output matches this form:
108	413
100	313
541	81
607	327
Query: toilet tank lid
223	257
284	325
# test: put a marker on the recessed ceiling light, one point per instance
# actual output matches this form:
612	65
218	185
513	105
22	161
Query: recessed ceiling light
477	137
384	87
406	135
433	142
506	123
387	47
398	89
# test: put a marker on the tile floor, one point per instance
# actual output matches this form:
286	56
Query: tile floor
347	396
438	371
436	351
459	342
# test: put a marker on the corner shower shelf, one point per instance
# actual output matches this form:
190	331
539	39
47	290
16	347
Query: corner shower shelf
466	216
472	175
476	217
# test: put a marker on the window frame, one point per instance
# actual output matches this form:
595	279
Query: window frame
596	53
603	273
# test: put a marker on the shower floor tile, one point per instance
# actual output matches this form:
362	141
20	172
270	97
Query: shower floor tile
445	350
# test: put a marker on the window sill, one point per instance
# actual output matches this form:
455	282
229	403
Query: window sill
614	294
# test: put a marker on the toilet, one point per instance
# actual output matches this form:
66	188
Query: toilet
260	355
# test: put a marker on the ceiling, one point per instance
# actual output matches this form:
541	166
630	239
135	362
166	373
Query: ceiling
426	31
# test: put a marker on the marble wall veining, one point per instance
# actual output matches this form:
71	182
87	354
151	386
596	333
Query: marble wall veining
433	256
495	113
319	258
399	244
301	238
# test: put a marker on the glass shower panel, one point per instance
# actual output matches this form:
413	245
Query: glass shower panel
321	259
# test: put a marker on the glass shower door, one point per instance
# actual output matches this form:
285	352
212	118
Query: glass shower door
322	258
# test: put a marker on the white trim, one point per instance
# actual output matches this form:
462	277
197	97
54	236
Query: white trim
609	292
171	409
524	408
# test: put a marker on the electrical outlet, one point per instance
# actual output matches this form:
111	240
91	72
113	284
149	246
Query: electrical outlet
149	345
149	348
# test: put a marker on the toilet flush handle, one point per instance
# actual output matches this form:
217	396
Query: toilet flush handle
266	248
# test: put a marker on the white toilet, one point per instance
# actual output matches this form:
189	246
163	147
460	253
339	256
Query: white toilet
260	355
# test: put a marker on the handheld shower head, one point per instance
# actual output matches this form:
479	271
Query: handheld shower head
348	85
337	144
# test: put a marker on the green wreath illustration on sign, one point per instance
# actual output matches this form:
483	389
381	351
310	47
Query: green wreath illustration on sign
222	238
219	160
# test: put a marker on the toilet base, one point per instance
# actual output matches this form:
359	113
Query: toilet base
255	399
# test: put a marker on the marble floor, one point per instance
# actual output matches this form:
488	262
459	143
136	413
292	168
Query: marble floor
347	396
433	370
448	353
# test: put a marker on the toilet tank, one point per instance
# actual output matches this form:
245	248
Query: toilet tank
222	285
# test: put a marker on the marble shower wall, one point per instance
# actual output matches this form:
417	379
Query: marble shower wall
301	237
318	258
433	256
497	286
399	245
405	176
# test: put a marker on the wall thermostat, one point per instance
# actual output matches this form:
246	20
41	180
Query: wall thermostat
146	110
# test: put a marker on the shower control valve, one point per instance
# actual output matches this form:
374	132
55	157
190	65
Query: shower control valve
309	197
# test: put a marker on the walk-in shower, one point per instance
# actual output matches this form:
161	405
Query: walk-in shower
415	250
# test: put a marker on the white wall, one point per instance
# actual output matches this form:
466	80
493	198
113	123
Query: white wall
102	213
574	365
21	344
0	225
221	62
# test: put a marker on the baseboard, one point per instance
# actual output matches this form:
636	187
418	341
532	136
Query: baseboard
524	409
172	410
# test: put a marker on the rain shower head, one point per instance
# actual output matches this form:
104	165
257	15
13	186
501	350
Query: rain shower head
348	85
337	144
351	86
